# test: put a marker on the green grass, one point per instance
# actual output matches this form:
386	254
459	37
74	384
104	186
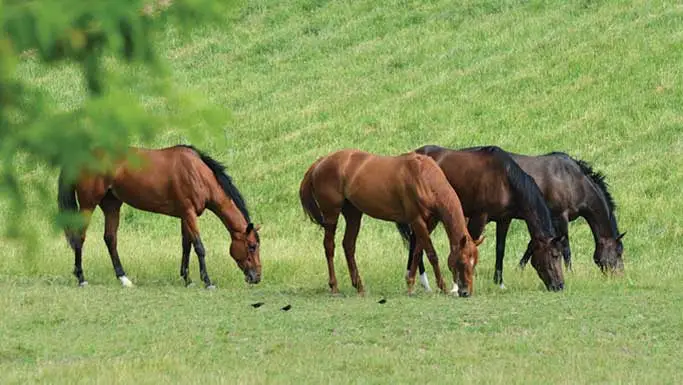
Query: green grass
600	80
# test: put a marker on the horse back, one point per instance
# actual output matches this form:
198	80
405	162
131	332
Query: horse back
564	186
478	178
168	181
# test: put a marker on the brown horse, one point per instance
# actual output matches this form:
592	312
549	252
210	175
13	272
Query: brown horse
409	189
177	181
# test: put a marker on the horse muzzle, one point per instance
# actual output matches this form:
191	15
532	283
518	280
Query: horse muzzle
555	286
252	277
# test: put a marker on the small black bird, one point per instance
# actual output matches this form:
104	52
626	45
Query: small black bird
257	304
286	308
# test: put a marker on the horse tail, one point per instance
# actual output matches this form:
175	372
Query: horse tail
308	201
66	199
66	195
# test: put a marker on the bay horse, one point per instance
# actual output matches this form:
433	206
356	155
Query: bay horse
492	187
573	189
408	189
178	181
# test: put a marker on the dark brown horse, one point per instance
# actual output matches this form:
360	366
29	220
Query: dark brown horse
573	189
408	189
492	187
178	181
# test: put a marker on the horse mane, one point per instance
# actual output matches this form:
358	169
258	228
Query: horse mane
526	188
599	179
596	176
224	180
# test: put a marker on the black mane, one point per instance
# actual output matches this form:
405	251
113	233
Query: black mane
224	180
599	179
530	196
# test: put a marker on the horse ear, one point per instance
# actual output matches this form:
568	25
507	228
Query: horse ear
257	228
621	236
480	240
250	228
463	242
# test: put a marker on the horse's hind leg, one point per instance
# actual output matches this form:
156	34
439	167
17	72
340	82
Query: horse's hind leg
185	260
526	256
190	223
353	219
111	207
502	227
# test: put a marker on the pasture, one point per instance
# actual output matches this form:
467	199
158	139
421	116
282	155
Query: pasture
301	78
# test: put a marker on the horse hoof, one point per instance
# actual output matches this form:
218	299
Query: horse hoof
83	284
125	282
428	289
502	286
189	284
211	287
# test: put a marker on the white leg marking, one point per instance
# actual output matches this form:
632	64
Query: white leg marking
84	283
125	281
455	288
502	286
425	281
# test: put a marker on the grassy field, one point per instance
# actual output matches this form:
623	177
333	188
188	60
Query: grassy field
301	78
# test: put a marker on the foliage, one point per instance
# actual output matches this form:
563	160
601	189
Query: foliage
110	114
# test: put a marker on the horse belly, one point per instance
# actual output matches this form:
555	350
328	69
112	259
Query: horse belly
379	204
145	191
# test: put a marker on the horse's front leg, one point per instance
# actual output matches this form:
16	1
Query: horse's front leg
192	229
423	241
561	224
502	227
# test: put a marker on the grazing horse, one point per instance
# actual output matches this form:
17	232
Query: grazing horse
177	181
492	187
573	189
408	189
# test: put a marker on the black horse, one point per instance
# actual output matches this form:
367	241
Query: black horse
573	189
492	187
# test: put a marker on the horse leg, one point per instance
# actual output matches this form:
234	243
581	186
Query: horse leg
190	223
353	218
562	228
111	207
502	227
526	256
424	281
422	237
185	260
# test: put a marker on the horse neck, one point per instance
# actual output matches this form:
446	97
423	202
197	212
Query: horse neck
230	215
536	214
598	215
450	211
